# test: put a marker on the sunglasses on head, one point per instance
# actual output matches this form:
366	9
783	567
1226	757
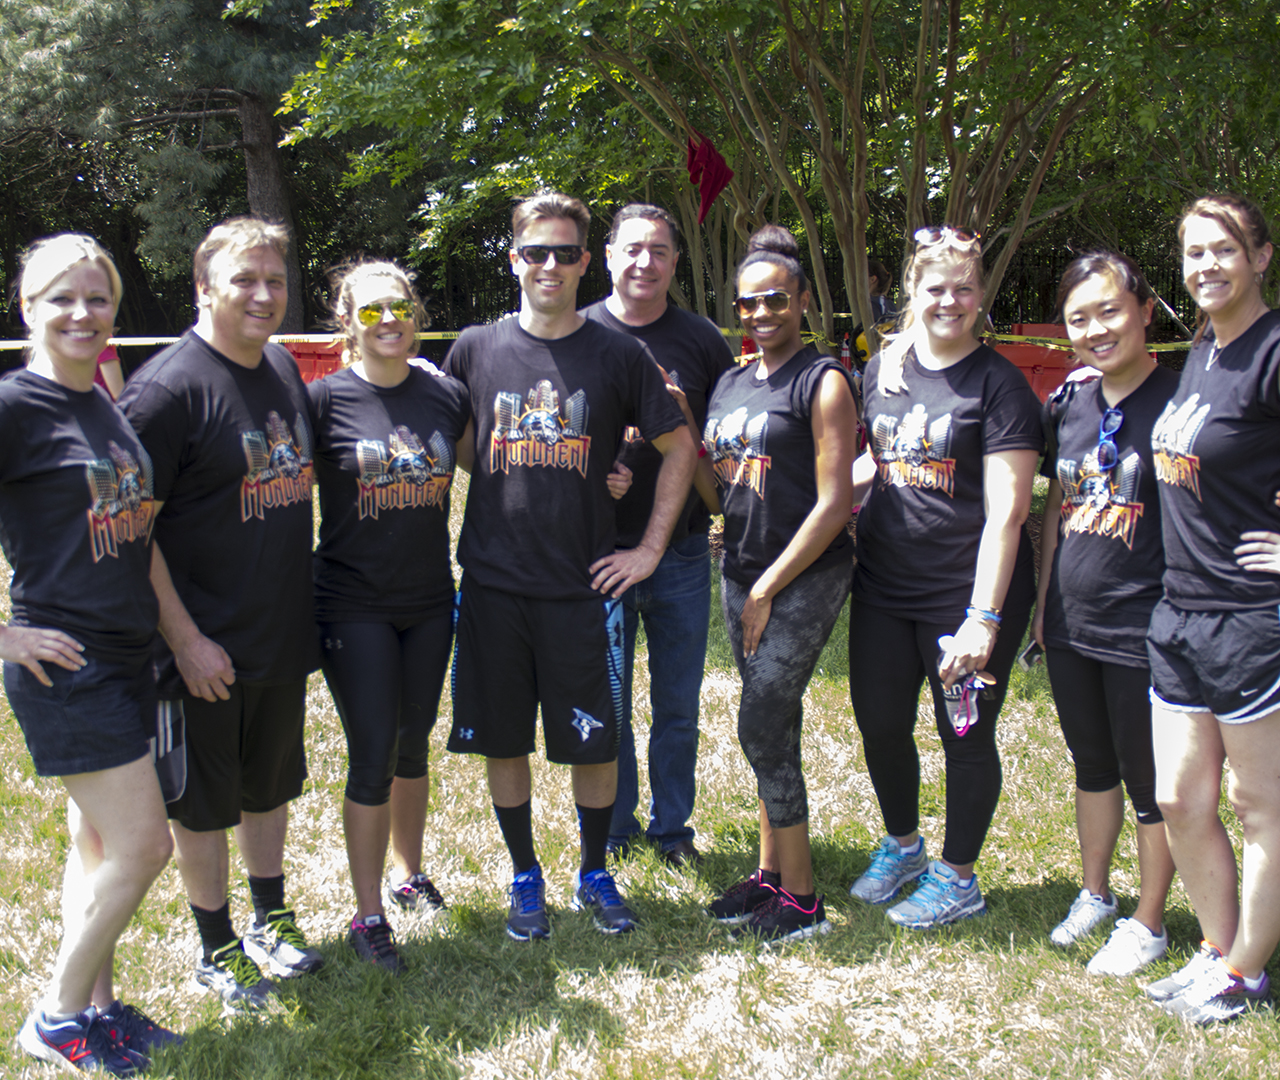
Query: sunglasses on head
935	234
371	314
1107	453
537	254
775	300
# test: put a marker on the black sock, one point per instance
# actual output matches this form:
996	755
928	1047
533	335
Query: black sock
268	896
770	877
516	823
594	822
215	928
808	901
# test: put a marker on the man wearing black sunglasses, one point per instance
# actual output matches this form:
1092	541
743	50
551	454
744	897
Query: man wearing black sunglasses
674	602
539	622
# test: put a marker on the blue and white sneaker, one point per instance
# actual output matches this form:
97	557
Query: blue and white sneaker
527	916
597	892
939	900
1216	995
81	1042
890	869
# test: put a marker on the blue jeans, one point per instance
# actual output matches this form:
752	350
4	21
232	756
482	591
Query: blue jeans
675	603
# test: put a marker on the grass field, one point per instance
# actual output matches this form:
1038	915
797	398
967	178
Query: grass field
677	998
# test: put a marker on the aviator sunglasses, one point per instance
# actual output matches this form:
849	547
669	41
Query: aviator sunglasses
935	234
537	254
1107	453
371	314
775	300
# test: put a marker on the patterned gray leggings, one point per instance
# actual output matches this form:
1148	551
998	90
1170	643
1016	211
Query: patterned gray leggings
774	680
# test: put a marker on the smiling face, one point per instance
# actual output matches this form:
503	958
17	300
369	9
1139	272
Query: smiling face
1107	325
72	319
388	339
1220	273
243	303
947	300
642	261
551	289
778	335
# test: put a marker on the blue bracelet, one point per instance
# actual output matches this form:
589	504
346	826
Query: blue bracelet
984	614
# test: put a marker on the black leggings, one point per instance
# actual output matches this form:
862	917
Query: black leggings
1105	713
386	680
889	659
774	679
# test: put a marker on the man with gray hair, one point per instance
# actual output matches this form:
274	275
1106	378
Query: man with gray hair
674	602
224	415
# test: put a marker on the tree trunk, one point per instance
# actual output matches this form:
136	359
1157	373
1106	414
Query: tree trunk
268	191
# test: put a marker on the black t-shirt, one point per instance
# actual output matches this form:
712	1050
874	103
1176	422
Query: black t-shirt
1217	457
384	464
232	448
549	417
760	438
76	509
919	531
1109	560
695	354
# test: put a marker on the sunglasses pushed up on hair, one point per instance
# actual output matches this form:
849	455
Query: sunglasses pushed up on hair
371	314
776	301
936	234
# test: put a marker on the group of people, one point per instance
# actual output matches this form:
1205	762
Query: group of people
599	444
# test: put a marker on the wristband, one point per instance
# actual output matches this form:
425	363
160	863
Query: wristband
986	615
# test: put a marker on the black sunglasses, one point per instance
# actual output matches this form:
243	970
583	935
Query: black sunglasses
1107	453
935	234
537	254
775	300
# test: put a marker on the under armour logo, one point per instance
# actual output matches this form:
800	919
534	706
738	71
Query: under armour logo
466	733
585	723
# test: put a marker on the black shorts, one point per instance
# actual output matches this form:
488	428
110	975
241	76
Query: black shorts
1223	662
514	653
98	717
244	754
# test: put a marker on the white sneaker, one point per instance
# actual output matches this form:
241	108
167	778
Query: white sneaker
1130	948
1172	985
1087	911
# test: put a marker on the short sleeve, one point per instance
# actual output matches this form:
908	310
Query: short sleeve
1012	416
162	422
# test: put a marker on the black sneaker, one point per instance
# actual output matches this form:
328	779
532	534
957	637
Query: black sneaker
280	946
737	903
235	978
780	919
81	1042
373	941
596	891
416	893
527	917
135	1030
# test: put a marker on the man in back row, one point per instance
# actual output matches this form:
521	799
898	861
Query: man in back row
552	394
675	601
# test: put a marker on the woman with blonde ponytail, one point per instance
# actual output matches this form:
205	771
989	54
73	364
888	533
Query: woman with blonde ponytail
388	437
944	583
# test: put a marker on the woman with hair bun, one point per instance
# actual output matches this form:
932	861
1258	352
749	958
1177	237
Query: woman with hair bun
780	437
76	510
1101	561
1214	642
389	435
944	581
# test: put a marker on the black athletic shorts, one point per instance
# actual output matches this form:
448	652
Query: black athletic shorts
242	754
1223	662
515	653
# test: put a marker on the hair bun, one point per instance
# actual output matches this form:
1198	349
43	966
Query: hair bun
774	238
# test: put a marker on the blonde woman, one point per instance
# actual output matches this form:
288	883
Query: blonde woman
944	581
76	508
388	437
